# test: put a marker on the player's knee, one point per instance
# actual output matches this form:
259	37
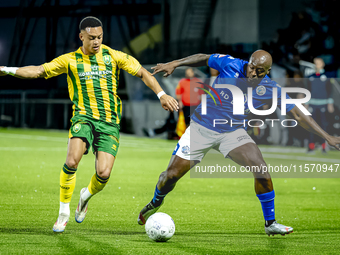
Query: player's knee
104	172
173	175
72	163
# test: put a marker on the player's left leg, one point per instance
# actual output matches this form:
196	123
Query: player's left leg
177	168
104	165
106	148
250	155
187	153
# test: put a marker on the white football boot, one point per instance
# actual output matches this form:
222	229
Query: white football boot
276	228
60	224
81	208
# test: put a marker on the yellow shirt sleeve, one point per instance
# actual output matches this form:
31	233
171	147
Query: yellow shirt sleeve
126	62
56	67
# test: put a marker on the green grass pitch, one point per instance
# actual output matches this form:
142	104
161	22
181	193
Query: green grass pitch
212	215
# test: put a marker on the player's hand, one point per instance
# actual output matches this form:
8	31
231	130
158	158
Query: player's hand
1	72
169	103
334	142
167	68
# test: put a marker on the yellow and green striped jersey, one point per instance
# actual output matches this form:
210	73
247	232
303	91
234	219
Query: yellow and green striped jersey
93	81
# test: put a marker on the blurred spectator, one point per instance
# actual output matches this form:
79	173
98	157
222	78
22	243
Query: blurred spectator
296	135
187	93
321	100
295	80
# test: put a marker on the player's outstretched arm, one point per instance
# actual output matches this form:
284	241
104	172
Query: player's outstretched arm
308	123
193	61
168	102
27	72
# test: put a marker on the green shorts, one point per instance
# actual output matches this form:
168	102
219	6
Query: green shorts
101	135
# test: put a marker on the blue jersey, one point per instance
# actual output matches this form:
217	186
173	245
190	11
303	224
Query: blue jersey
233	72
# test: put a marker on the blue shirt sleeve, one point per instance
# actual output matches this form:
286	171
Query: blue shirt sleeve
219	61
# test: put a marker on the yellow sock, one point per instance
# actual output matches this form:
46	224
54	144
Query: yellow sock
67	183
97	184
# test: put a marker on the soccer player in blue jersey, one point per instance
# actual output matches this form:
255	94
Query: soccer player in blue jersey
232	141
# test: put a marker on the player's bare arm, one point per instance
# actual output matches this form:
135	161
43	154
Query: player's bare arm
27	72
167	102
192	61
308	123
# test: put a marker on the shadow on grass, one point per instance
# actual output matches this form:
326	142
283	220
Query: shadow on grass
49	232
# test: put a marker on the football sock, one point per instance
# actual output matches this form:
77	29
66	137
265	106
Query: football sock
323	145
97	184
64	208
269	222
267	203
86	195
158	197
67	183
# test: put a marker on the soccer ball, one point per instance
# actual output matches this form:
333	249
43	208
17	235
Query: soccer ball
160	227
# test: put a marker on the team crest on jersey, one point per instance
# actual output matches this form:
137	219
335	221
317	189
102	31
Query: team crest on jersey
261	90
107	59
186	149
76	128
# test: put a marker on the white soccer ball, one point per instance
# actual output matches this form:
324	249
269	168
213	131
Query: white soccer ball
160	227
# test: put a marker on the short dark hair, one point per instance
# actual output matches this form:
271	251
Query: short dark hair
89	21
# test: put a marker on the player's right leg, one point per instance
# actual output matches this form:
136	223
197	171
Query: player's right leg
76	149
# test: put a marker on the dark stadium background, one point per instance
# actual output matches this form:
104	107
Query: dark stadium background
36	31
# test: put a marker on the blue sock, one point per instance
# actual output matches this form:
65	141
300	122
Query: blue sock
267	202
158	197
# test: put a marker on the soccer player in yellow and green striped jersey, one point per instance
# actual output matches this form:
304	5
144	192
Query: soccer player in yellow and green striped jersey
93	81
92	77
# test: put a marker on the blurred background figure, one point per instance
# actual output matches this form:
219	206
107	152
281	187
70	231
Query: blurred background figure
188	94
169	127
321	101
296	135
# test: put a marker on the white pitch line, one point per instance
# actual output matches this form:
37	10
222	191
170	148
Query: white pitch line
123	140
301	158
33	149
136	143
282	149
34	137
